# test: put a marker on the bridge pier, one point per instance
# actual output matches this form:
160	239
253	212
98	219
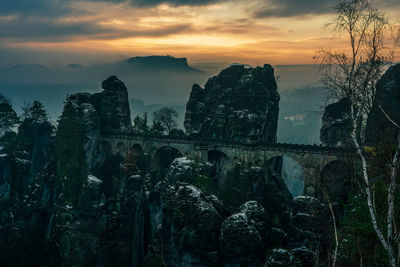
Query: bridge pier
310	182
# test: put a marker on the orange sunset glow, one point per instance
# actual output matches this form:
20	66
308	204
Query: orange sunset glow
251	32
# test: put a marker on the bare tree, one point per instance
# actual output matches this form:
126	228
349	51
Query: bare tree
352	73
166	118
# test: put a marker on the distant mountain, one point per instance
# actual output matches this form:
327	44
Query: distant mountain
29	66
74	66
162	81
160	63
155	79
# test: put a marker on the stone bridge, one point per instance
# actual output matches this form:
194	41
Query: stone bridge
311	158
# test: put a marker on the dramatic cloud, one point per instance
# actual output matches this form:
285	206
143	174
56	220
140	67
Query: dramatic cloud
48	30
294	8
204	30
35	7
145	3
59	7
289	8
44	8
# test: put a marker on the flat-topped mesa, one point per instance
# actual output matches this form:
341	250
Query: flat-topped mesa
163	64
240	104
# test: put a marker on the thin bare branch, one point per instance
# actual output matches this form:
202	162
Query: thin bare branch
388	117
334	226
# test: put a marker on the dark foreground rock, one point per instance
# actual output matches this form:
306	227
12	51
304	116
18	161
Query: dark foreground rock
242	238
190	227
310	230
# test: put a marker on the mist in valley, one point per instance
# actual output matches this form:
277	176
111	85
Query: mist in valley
156	82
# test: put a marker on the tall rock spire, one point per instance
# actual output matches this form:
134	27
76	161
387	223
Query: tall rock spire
240	104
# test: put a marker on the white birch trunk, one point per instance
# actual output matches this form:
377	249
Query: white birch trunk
385	243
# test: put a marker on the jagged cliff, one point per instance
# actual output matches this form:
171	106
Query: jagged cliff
39	224
336	124
240	104
387	98
336	121
26	191
111	106
101	113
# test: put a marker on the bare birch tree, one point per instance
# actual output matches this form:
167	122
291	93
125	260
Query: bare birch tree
352	73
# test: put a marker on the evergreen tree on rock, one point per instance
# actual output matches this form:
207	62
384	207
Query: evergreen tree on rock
71	169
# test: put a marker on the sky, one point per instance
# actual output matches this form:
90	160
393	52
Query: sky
208	32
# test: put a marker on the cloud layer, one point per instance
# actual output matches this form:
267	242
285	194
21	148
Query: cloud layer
290	8
174	2
55	31
35	7
193	28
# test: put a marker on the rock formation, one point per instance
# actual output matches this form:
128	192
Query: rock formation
239	104
36	134
242	238
160	63
129	214
102	113
309	230
388	97
308	235
336	124
26	192
190	227
111	106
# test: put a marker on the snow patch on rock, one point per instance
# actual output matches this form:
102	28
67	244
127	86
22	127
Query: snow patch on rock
93	180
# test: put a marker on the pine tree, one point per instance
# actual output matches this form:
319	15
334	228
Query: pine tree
140	123
37	111
72	170
8	118
34	124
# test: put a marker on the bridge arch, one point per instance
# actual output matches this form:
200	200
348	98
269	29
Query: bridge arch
221	165
136	149
287	173
163	157
106	147
122	149
335	180
215	155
